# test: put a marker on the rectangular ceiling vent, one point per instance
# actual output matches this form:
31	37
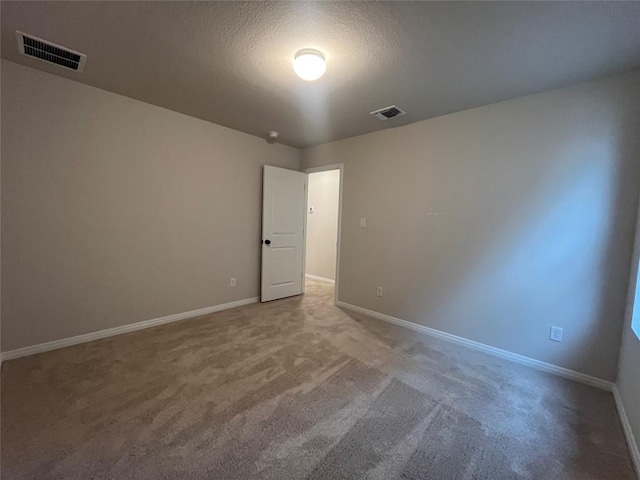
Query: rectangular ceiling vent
50	52
388	112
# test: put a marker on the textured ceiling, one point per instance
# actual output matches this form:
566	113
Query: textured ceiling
231	62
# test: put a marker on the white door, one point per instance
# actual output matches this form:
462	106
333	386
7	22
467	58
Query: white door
283	215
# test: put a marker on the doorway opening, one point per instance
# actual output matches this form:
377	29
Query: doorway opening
322	232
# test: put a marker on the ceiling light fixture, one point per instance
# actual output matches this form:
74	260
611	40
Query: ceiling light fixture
309	64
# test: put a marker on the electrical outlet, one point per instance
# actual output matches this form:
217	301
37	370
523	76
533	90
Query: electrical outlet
363	222
555	334
233	282
379	291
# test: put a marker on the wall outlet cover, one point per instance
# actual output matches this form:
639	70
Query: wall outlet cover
555	334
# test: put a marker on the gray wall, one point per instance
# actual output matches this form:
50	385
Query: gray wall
498	222
322	224
629	368
115	211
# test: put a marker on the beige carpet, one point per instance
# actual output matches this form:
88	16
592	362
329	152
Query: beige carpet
298	389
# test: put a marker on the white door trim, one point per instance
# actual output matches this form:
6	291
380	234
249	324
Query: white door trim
325	168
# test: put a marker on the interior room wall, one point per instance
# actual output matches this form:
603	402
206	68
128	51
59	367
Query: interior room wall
115	211
322	224
496	223
629	368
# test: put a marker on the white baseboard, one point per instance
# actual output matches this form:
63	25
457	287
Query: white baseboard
132	327
497	352
628	433
319	279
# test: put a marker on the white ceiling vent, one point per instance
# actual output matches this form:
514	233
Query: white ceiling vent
388	112
50	52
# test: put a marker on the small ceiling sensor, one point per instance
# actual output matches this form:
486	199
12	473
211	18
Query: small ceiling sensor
309	64
273	136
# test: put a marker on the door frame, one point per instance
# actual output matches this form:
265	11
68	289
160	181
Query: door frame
324	168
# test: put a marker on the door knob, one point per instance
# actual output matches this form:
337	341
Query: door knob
268	242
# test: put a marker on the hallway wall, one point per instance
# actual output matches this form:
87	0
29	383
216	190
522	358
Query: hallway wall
322	224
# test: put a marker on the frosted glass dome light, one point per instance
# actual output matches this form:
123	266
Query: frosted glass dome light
309	64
